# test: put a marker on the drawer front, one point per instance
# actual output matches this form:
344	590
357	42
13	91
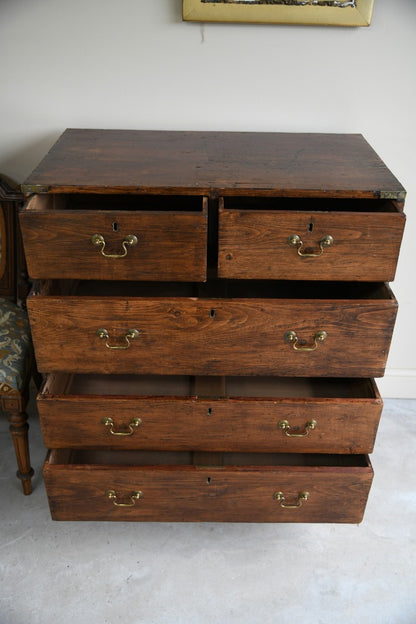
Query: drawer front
257	422
115	244
180	493
211	336
300	245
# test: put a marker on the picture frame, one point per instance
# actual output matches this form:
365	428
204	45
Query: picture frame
317	12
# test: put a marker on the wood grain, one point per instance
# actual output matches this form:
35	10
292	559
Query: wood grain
210	448
171	245
287	164
253	244
181	335
194	423
231	493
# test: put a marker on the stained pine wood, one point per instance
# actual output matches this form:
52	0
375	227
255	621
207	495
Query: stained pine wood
208	445
253	244
171	245
197	336
239	491
287	164
185	422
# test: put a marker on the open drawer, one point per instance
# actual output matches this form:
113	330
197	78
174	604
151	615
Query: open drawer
232	487
286	329
116	237
261	414
313	239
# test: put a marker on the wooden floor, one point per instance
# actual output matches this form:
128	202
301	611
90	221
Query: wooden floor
60	573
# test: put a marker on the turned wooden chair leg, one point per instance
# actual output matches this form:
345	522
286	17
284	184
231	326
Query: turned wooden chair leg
19	431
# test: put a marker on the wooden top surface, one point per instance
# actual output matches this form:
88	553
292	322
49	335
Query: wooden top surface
237	163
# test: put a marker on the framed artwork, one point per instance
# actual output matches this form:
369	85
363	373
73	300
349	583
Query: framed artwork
329	12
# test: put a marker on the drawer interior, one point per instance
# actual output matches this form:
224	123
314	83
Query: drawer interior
99	202
105	457
224	288
319	204
212	387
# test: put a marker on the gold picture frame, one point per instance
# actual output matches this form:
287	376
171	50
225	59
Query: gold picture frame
327	12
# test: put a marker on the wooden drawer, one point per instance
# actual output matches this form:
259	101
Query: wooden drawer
176	487
88	236
257	329
259	414
256	238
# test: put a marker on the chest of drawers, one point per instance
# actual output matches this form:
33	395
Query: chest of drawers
209	311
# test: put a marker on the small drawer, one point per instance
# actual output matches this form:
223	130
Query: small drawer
309	239
172	413
115	237
231	487
286	329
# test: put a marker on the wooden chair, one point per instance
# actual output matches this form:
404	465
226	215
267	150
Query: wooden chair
16	359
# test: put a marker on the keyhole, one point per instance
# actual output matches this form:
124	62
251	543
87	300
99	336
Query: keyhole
115	226
209	480
211	313
209	411
310	227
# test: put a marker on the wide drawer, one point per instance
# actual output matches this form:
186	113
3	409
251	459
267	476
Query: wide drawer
260	414
279	329
314	239
178	487
111	237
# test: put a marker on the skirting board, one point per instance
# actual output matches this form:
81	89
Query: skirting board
398	383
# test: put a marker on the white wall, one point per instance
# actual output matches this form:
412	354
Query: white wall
135	64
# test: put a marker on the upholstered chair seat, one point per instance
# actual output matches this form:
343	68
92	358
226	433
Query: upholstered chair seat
15	348
16	357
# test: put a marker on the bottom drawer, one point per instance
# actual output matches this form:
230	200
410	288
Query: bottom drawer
213	487
227	414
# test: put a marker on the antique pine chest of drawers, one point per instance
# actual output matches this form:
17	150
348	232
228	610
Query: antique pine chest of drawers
209	311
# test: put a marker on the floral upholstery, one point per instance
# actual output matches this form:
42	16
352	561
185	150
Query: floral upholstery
15	347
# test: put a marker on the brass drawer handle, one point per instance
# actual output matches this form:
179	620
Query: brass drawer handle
131	334
310	425
110	494
296	241
297	345
109	422
280	497
129	241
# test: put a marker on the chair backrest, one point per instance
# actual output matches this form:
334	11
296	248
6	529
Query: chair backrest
13	277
